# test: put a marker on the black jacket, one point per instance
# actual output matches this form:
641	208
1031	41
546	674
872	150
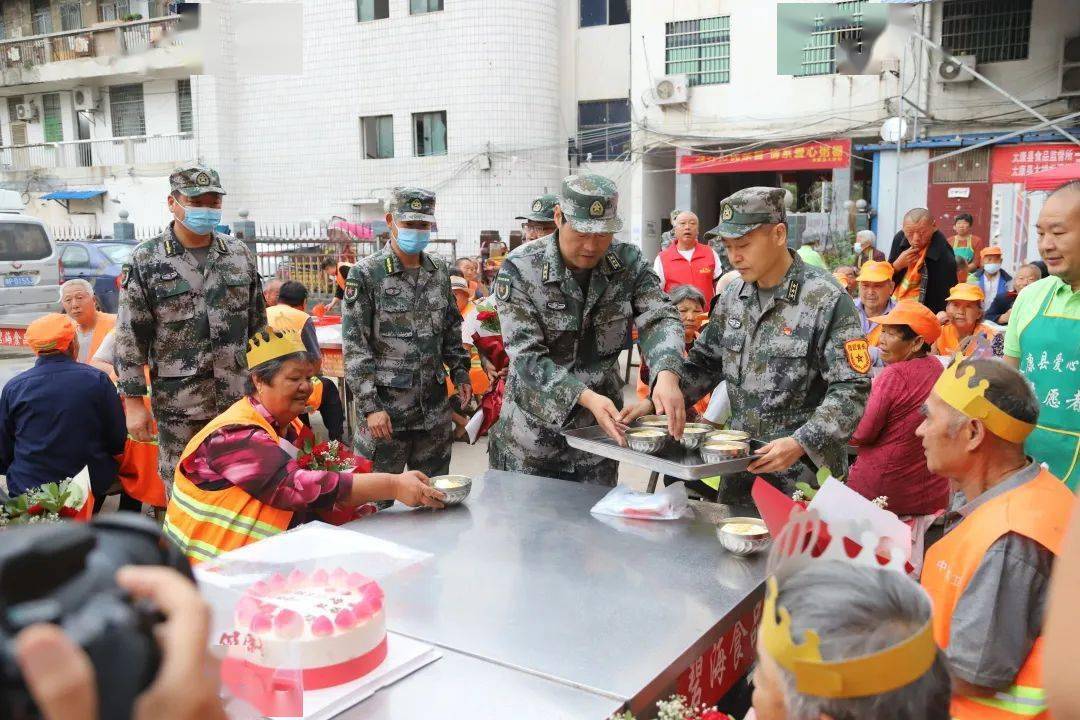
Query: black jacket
939	274
1002	303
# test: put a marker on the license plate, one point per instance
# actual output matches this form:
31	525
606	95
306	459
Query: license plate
18	281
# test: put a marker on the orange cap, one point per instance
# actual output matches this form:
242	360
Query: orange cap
992	250
874	271
966	291
52	332
916	316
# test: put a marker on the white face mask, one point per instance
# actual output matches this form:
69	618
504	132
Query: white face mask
992	268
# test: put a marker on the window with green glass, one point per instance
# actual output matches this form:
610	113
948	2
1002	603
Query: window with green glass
378	136
183	105
700	49
819	52
430	131
367	10
50	118
127	110
419	7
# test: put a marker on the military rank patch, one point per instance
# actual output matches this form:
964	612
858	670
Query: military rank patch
858	355
613	262
502	288
351	291
125	275
792	291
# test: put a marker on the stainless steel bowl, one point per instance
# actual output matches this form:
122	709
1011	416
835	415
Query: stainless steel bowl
651	421
716	451
743	543
693	436
455	487
644	440
729	435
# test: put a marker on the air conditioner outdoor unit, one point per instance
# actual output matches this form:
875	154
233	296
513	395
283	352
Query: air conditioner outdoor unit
1070	68
26	111
956	72
671	89
86	98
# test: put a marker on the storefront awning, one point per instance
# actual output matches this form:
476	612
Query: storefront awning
815	155
73	194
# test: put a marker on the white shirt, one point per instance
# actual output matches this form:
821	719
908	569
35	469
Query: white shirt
658	267
84	343
106	351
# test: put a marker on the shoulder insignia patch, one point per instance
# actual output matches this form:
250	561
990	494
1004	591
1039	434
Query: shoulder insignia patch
792	291
858	355
389	265
502	288
613	262
351	291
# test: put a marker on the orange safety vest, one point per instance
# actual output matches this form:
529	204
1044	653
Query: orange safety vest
1039	510
102	326
206	523
949	340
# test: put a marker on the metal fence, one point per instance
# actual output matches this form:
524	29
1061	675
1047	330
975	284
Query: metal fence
121	39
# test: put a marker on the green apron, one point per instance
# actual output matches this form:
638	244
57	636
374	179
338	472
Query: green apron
1050	359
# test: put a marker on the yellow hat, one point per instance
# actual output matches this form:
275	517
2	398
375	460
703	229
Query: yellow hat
954	386
50	333
966	291
874	271
269	344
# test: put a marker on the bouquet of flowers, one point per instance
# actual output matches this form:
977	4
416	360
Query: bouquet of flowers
335	457
677	707
51	502
331	455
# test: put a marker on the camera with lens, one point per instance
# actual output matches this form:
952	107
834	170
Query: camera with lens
65	574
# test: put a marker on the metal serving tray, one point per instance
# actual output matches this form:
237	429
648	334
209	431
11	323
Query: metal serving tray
673	461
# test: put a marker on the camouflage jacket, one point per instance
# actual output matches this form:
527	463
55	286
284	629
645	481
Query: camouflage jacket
799	367
560	342
190	326
397	335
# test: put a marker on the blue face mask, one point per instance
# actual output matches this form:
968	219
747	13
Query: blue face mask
201	221
412	241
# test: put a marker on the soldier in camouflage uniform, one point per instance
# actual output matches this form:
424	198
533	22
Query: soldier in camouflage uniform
540	220
189	300
400	327
789	343
565	303
668	236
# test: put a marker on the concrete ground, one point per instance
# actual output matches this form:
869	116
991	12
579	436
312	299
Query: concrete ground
466	459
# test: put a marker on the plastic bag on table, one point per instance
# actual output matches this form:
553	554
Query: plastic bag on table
669	503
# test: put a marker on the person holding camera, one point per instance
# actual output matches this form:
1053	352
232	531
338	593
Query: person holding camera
63	682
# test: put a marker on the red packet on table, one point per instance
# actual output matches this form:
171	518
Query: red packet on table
776	508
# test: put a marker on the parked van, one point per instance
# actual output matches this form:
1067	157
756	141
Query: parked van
29	261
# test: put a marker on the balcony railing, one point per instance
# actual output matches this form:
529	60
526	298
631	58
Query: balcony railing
139	150
118	39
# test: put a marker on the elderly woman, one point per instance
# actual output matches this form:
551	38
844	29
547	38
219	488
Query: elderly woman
691	305
875	659
891	461
964	314
239	480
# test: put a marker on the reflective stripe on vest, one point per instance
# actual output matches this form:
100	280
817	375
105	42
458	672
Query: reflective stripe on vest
206	523
1039	510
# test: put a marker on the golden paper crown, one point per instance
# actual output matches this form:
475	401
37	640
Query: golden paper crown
269	344
954	387
864	676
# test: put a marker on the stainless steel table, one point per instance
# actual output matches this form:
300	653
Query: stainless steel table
523	576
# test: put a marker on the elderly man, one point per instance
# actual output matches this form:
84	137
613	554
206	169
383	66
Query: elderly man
875	299
875	658
402	335
59	416
189	300
566	303
988	576
540	220
924	264
991	277
865	248
788	342
270	291
1042	336
964	314
687	261
77	299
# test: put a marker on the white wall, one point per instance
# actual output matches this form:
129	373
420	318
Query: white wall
894	200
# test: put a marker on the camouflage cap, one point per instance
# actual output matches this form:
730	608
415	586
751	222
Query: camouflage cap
745	210
195	180
675	215
413	203
543	209
590	203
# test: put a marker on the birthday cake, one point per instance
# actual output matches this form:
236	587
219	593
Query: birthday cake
329	626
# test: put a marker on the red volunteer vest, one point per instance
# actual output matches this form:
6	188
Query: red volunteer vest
698	272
